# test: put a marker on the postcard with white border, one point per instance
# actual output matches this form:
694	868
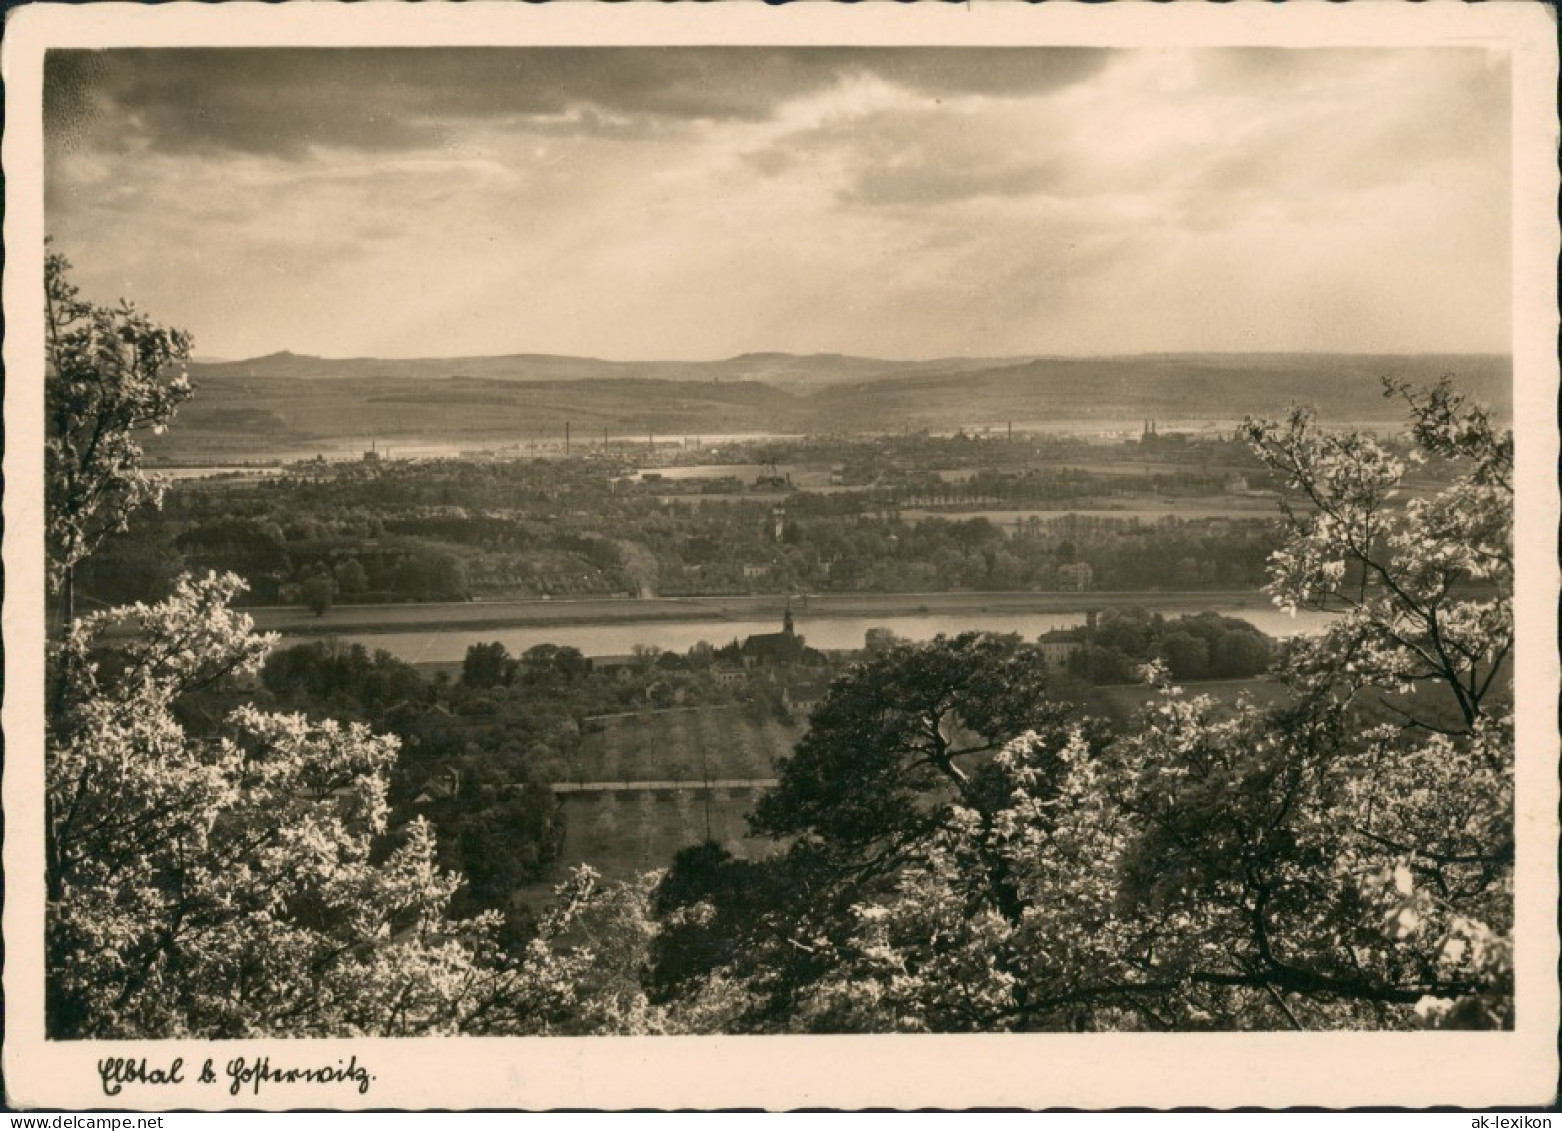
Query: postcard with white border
818	555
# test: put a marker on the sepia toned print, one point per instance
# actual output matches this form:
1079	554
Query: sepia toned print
1005	540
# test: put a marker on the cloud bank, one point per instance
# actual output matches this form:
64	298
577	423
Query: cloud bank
699	202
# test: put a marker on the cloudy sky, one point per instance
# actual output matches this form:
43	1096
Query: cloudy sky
697	203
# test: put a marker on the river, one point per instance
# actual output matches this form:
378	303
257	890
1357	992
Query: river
834	633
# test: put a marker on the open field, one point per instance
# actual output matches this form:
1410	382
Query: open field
693	746
1147	515
622	832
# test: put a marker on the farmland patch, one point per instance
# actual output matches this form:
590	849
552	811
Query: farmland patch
641	794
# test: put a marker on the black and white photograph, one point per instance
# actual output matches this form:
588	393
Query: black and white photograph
781	548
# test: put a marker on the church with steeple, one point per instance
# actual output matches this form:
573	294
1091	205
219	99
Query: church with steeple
777	649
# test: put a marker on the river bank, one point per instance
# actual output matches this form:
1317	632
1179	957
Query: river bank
483	615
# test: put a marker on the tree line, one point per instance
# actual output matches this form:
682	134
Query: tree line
294	549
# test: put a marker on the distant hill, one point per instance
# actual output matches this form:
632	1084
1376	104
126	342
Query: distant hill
821	370
783	370
1183	387
530	367
289	403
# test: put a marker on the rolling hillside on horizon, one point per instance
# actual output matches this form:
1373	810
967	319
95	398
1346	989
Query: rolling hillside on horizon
784	370
1343	387
288	402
